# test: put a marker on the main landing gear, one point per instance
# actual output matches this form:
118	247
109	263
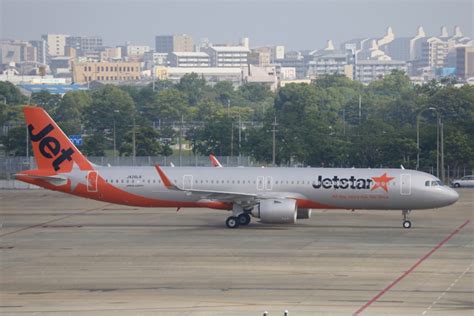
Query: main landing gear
239	218
242	219
406	222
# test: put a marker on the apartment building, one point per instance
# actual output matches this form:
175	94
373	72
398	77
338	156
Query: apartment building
189	59
465	62
106	71
56	44
174	43
367	71
228	56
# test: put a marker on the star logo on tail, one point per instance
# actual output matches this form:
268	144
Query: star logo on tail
76	176
381	182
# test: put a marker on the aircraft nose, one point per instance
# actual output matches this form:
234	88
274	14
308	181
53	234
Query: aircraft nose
451	196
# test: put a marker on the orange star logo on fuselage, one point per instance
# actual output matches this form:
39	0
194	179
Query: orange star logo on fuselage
381	182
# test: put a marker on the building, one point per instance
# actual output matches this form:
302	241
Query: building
295	60
41	50
367	71
465	62
84	43
433	53
12	75
174	43
135	51
105	71
56	44
211	74
266	75
228	56
61	66
152	59
330	61
189	59
110	54
261	56
278	52
60	88
15	51
287	73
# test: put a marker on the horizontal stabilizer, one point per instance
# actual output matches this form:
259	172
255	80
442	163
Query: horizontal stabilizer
53	179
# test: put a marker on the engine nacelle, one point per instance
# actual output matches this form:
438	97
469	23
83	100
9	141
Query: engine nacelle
276	211
303	213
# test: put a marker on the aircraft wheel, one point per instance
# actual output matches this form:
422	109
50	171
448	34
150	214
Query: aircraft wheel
406	224
244	219
232	222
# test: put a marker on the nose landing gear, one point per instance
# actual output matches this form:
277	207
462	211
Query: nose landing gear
406	221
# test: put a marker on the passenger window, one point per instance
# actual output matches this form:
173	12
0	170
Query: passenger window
427	183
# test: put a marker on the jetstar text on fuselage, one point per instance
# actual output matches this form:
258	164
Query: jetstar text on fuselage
343	183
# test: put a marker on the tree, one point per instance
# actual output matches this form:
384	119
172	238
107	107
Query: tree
11	93
225	92
193	87
168	106
70	109
109	105
46	100
255	92
147	143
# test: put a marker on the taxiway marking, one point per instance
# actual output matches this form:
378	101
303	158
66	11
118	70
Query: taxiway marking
448	289
401	277
52	221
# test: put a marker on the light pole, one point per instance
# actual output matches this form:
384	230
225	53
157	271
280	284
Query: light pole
418	135
153	70
180	141
240	138
115	139
274	125
134	152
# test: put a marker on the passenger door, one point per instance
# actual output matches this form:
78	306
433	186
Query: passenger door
405	184
260	183
187	182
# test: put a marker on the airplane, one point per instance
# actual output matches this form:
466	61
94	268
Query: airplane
274	195
214	161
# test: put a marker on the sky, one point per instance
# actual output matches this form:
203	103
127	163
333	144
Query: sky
297	24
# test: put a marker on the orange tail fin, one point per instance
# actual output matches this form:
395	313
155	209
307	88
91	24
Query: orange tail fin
53	150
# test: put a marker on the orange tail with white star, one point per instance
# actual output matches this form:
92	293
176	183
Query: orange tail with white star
54	152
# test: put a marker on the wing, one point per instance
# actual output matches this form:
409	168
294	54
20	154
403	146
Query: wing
226	196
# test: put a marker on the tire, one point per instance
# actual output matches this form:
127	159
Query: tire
456	185
232	222
406	224
244	219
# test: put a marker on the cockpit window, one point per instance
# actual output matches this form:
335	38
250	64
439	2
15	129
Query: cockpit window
433	183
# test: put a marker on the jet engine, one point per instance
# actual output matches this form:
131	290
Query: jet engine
276	211
303	213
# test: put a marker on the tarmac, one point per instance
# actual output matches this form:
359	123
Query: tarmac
63	255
